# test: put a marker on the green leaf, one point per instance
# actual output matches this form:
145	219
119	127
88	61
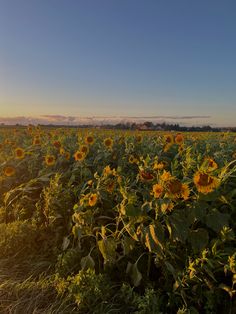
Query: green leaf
198	239
134	273
179	226
87	262
154	238
216	220
107	247
65	243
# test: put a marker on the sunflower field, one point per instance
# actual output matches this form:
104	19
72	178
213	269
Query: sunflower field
104	221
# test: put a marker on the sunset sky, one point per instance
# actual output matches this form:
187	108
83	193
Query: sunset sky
119	58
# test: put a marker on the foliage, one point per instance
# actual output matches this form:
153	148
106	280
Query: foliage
137	222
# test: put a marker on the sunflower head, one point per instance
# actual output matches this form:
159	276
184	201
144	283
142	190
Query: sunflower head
19	153
84	149
169	140
132	159
9	171
157	190
167	207
146	175
108	142
89	139
158	165
79	156
176	189
67	155
179	138
36	141
166	176
62	151
93	199
210	164
57	144
181	149
110	186
204	182
50	160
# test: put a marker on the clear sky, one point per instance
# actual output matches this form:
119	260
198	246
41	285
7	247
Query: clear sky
118	57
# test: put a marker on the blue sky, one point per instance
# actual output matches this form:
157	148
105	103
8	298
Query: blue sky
118	57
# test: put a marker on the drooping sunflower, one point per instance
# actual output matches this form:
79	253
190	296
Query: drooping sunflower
146	175
19	153
79	156
89	139
108	142
93	199
157	190
210	164
204	182
176	189
9	171
50	160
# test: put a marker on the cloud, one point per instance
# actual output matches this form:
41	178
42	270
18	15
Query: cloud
92	120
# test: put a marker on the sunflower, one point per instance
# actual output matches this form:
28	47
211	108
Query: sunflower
84	149
89	139
57	144
108	142
67	155
9	171
158	166
181	149
93	199
19	153
169	140
166	147
176	189
132	159
179	138
146	175
204	182
210	164
110	186
62	151
166	176
157	190
50	160
36	141
79	156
